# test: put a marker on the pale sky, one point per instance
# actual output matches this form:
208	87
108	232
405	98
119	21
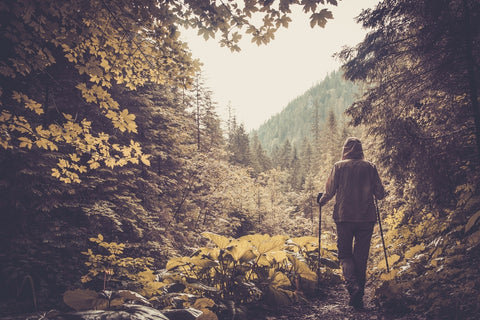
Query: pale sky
260	81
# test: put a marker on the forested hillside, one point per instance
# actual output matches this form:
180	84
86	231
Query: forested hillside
121	194
308	113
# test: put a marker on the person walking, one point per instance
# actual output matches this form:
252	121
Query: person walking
354	182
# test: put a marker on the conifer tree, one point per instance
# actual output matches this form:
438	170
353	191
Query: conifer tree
295	171
422	101
286	155
239	146
259	161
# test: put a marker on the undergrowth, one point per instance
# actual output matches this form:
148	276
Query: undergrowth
223	277
433	258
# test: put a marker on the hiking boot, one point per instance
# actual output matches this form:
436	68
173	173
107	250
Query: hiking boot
356	300
358	305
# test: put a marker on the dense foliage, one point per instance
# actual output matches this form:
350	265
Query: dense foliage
114	163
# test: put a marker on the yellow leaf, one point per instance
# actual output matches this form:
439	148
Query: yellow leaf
266	243
66	180
121	162
176	262
74	157
126	121
80	299
279	279
17	96
5	116
472	221
110	162
55	173
105	64
414	250
25	142
221	241
203	303
302	241
391	260
42	143
388	276
34	106
241	250
276	256
145	160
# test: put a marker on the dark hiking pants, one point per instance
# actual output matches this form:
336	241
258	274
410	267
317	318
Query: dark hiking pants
353	242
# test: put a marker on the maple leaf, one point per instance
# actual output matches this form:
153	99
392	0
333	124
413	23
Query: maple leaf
94	164
145	160
25	142
55	173
126	121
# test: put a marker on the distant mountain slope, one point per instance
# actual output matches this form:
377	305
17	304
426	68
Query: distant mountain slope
294	122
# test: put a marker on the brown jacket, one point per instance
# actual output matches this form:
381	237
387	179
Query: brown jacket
354	181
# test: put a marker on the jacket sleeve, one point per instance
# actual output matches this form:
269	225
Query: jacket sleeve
330	188
378	189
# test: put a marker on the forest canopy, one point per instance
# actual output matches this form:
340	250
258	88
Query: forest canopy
116	170
64	63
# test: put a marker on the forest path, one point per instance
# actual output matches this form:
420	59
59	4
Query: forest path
333	305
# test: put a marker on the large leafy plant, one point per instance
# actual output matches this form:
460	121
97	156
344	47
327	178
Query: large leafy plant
252	268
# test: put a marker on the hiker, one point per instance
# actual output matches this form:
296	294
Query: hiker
355	182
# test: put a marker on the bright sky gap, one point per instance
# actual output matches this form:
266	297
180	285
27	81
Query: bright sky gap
260	81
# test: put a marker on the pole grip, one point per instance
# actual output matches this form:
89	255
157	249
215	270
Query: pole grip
319	196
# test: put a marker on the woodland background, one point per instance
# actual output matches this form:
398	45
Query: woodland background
106	128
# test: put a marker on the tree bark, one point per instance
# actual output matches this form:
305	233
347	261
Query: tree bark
472	81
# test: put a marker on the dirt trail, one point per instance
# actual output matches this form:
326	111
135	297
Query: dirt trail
334	305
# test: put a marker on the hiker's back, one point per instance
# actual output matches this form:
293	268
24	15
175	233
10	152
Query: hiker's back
357	181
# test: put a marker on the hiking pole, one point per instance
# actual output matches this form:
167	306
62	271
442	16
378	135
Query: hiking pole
381	234
319	235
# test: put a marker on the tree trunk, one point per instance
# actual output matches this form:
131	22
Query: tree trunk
472	81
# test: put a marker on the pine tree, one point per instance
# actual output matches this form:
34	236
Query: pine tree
286	155
259	160
239	146
422	102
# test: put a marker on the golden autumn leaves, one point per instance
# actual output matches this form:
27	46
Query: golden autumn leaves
102	50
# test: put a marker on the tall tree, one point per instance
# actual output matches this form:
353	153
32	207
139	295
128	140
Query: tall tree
296	178
306	159
239	146
208	133
260	160
286	155
421	61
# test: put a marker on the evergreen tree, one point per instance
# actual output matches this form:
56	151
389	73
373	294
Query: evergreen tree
331	139
422	102
208	132
295	171
260	161
306	160
286	155
239	146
